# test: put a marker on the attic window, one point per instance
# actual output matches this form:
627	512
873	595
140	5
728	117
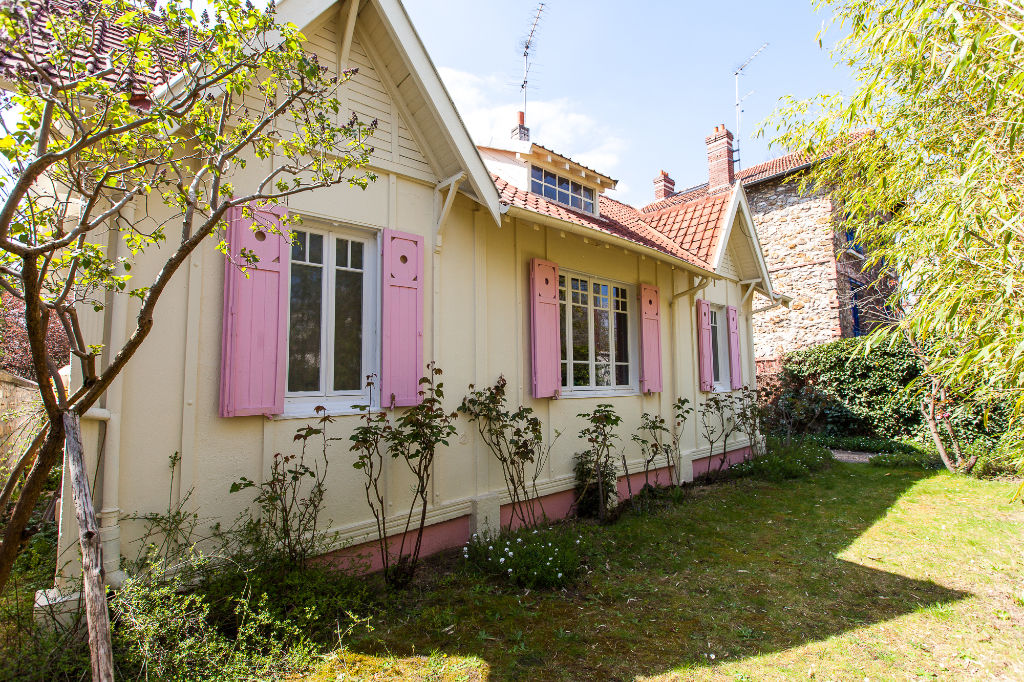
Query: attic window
561	189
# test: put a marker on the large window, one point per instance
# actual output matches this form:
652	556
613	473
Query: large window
561	189
332	304
596	334
720	349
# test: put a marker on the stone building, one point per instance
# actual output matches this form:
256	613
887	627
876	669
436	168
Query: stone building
809	253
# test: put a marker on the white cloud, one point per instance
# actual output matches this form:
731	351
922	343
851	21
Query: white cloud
489	111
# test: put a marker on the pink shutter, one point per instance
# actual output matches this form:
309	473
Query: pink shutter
545	327
735	361
707	370
402	324
254	331
650	339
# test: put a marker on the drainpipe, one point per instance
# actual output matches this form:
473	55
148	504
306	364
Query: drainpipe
110	511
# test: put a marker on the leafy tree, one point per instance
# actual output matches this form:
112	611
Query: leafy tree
137	144
926	160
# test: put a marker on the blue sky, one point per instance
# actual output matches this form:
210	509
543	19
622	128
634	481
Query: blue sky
628	88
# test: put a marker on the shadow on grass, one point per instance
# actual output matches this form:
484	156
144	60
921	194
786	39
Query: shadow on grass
739	569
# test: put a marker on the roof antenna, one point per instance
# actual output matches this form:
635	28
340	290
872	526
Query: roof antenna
521	132
739	101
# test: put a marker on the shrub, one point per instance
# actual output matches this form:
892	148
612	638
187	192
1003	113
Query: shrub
921	458
166	631
590	485
781	461
516	440
600	433
549	558
412	437
867	444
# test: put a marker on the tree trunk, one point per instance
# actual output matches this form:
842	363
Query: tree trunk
933	427
46	459
97	619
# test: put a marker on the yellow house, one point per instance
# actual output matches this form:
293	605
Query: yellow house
489	262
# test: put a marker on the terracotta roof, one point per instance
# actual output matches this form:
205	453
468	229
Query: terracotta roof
748	176
108	38
695	225
688	232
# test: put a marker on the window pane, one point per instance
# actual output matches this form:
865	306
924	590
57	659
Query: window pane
563	184
549	178
550	193
305	326
621	375
564	334
536	187
565	374
316	248
357	256
576	188
717	372
536	173
621	337
563	198
581	374
576	202
602	336
588	206
588	194
341	253
580	335
604	375
348	331
299	246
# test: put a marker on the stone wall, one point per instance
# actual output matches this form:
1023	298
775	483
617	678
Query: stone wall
798	238
19	407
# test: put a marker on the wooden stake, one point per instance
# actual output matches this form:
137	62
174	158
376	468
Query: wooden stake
97	619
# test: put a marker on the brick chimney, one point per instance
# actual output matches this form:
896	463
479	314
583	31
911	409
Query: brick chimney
664	186
521	132
720	165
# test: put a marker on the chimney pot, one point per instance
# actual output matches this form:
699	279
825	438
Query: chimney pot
521	132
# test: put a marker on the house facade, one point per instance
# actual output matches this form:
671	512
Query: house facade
808	251
488	262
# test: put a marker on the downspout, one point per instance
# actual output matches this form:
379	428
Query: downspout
110	511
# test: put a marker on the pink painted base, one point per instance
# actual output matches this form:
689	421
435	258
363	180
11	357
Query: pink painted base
706	465
365	558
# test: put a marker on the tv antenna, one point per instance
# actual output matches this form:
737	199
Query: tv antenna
739	100
527	47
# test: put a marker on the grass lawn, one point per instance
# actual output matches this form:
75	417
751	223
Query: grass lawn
855	573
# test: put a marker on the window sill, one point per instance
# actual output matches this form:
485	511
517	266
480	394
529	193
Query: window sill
305	407
599	393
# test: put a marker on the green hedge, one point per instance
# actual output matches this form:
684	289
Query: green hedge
865	394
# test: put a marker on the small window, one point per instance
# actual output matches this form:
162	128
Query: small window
561	189
331	319
720	349
596	335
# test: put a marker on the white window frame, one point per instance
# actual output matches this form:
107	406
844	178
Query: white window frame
719	321
304	403
594	200
632	309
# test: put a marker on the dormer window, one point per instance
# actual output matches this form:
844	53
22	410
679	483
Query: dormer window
561	189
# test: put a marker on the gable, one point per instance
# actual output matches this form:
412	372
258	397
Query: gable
420	132
367	94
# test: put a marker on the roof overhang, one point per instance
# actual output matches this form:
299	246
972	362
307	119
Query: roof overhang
605	238
738	206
